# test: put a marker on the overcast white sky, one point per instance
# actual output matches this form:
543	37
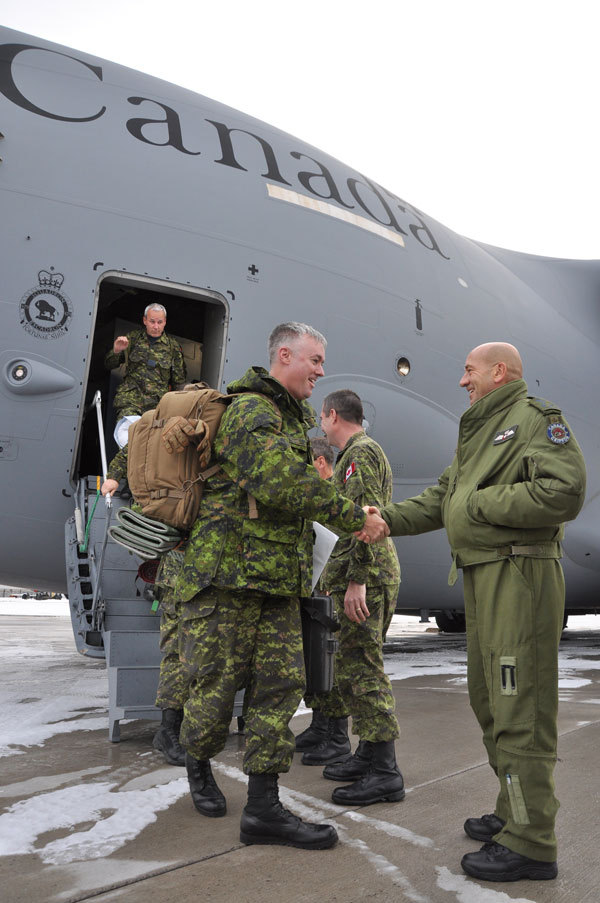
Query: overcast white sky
482	114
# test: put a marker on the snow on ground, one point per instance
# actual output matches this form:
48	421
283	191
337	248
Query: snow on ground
120	811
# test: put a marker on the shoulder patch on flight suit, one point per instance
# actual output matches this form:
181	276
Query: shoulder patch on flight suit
349	471
509	433
558	433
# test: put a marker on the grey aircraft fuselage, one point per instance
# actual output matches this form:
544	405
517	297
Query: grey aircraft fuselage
118	188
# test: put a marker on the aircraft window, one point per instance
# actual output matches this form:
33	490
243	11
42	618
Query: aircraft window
403	366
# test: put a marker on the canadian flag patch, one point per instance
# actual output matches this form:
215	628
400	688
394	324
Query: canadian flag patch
350	471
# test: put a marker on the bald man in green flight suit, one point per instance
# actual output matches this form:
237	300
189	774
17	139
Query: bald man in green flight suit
517	476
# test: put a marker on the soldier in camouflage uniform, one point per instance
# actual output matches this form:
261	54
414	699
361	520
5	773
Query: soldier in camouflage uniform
153	364
364	582
174	679
117	471
248	561
174	676
518	474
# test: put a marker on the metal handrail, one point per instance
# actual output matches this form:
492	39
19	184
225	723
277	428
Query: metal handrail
98	610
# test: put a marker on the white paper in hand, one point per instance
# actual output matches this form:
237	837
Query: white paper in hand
324	542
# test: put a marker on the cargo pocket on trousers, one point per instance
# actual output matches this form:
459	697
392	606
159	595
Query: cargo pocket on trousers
199	639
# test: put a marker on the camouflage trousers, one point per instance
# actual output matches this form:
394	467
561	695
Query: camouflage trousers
242	638
361	687
173	683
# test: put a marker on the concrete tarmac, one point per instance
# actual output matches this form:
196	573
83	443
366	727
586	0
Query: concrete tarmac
85	819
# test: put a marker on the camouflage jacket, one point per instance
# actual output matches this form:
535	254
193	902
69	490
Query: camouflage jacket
151	370
169	568
518	474
363	474
117	468
263	451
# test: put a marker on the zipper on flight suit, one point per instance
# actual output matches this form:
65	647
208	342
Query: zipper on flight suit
516	799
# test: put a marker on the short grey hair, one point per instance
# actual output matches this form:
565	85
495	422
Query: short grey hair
155	306
322	449
289	332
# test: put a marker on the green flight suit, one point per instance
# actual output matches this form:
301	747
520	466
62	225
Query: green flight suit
518	474
152	368
362	688
243	576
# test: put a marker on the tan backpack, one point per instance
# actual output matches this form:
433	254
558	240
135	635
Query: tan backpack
169	487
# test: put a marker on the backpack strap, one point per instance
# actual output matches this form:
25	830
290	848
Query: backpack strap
216	468
268	398
273	404
252	506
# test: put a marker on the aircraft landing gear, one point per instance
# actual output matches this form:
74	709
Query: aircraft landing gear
450	621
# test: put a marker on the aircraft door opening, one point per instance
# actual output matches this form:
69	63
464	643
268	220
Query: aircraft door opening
110	610
197	318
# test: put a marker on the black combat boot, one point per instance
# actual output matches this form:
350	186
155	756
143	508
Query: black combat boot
333	748
382	783
354	767
317	730
484	828
206	796
166	739
264	820
495	862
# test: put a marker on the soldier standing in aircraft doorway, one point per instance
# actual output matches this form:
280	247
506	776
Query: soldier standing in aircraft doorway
154	364
518	474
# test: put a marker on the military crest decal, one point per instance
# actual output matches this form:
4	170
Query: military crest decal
45	311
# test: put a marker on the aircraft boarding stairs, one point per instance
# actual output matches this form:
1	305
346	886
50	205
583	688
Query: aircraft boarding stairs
112	611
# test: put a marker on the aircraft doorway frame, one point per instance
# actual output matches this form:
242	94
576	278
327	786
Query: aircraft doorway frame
209	329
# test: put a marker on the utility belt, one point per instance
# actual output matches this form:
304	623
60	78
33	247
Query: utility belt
465	557
536	550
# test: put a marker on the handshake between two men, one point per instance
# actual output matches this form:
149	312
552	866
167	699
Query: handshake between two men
374	528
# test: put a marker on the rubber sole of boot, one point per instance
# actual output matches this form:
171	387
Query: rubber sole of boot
395	797
324	844
542	872
168	758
